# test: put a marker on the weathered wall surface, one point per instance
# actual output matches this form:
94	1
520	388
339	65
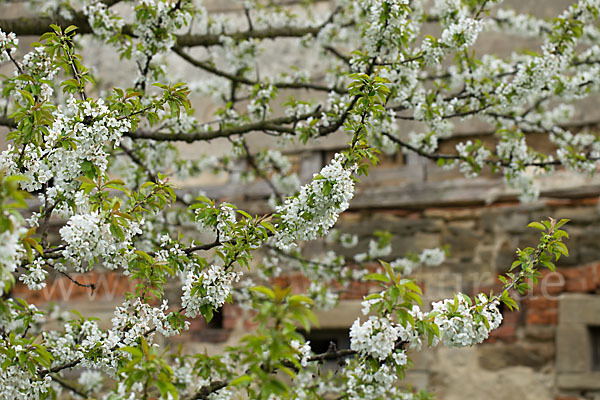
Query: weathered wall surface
423	206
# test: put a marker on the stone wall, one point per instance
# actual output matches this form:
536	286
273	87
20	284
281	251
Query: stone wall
544	351
529	356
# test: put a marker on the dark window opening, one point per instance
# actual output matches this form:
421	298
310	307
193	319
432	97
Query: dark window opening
217	321
319	346
595	347
321	339
213	331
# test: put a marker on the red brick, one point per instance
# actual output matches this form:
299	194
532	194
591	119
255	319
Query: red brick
590	201
507	332
579	280
511	317
197	325
249	324
557	202
495	287
230	322
540	303
542	317
281	281
231	315
596	267
297	282
591	276
579	285
572	273
551	283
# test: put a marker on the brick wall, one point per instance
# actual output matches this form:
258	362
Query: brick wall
482	240
423	206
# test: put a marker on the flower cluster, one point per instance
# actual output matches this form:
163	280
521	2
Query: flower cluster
377	337
104	22
18	383
460	322
428	257
35	276
460	325
8	42
212	286
156	21
303	349
368	382
432	257
133	319
315	210
88	238
91	347
91	125
91	381
11	249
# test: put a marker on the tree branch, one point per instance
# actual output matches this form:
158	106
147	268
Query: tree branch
206	390
331	354
274	124
240	79
68	386
36	26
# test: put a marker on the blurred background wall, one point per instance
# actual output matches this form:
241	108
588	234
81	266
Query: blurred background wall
549	349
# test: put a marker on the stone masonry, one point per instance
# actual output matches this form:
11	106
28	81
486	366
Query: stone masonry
544	351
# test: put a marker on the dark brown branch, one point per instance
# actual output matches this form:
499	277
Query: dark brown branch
36	26
206	390
60	367
240	79
92	286
201	247
68	386
76	362
192	249
338	54
207	40
268	33
491	162
15	63
131	154
274	124
259	172
331	354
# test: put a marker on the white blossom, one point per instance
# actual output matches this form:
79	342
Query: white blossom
315	210
212	286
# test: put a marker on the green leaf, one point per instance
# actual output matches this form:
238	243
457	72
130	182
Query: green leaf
562	248
373	296
86	180
241	380
70	28
411	285
264	290
298	298
537	225
376	277
134	351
